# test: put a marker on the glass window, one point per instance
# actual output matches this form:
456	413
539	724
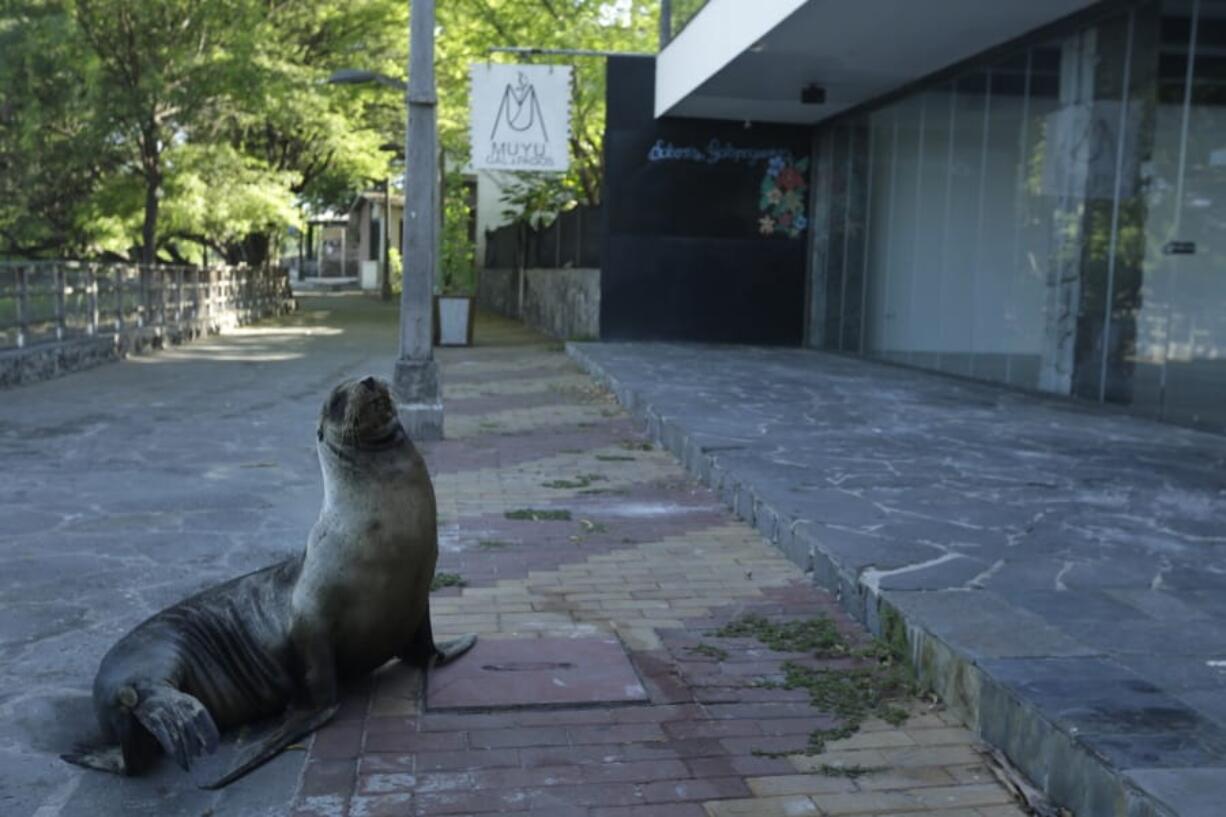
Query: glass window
1180	349
835	249
854	237
948	229
1053	220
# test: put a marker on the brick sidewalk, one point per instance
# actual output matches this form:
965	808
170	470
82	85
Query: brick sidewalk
634	550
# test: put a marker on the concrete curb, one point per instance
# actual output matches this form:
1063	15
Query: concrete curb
1069	772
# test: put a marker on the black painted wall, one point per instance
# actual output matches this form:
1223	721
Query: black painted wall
684	256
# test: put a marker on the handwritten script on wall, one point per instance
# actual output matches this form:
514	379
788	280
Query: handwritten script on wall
714	152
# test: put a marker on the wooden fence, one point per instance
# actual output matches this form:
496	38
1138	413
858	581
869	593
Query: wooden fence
46	302
574	239
59	316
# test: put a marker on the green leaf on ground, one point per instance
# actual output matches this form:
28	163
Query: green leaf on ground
817	635
871	689
538	515
853	771
442	580
580	481
709	650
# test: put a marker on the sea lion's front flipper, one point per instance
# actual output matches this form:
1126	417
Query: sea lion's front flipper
99	758
421	649
450	650
298	723
179	721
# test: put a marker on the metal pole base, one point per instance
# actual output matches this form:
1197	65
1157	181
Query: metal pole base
415	386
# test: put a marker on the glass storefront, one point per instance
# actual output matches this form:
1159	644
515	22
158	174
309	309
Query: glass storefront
1049	220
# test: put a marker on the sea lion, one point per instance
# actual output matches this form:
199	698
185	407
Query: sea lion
279	641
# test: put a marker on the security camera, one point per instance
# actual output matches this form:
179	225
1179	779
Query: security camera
813	94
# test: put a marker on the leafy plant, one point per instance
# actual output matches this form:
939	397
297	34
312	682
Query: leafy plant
536	199
457	252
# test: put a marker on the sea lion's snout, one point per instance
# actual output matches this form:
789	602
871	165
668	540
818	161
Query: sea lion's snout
360	413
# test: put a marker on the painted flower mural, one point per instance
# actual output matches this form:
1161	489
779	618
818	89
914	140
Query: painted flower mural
782	199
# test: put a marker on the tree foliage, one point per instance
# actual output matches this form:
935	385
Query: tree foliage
159	128
52	152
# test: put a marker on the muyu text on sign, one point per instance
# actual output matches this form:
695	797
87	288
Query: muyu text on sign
520	117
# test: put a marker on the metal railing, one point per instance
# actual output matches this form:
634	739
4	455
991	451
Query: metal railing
46	302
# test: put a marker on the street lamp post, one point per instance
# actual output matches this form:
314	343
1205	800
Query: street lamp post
415	382
385	236
415	379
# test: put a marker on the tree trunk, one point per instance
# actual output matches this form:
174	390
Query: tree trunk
149	231
151	161
256	248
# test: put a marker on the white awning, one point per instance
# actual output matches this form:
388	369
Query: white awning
749	59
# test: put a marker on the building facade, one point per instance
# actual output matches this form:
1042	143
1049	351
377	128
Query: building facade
1029	194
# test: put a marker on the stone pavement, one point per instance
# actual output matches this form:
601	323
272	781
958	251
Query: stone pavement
130	486
567	529
1060	568
586	557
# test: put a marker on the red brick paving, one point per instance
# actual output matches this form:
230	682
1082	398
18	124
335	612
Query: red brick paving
700	736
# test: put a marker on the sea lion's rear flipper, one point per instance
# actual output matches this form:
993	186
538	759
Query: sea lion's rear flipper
180	723
297	724
99	758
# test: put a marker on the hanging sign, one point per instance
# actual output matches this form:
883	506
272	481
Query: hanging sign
520	117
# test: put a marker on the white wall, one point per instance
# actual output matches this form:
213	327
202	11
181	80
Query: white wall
489	207
719	33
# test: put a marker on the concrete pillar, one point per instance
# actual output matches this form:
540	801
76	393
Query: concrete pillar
415	382
1073	143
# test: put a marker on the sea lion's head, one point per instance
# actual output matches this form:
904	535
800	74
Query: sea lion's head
361	415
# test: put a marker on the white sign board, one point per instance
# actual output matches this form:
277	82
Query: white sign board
520	117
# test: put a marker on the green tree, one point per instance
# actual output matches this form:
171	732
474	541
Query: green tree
219	198
171	125
52	155
167	126
326	139
161	72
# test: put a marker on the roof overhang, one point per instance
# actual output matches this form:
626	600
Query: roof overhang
749	61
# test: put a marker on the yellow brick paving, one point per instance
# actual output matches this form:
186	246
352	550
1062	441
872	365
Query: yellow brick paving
524	485
927	766
559	384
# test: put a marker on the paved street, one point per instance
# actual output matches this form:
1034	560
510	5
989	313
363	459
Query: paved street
1062	567
642	652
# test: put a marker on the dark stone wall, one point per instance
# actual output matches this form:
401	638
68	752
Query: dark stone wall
685	255
563	303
